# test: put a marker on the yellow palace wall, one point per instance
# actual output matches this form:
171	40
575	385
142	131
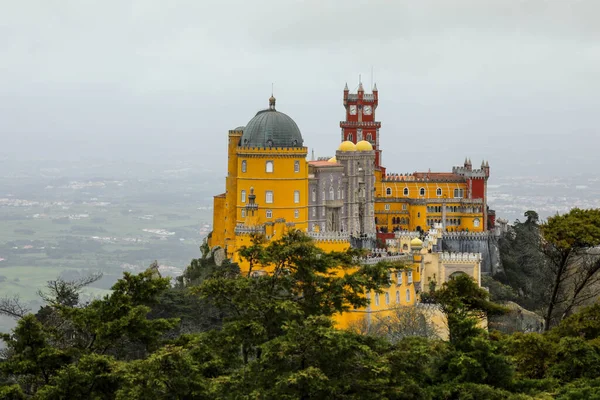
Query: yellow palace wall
283	182
394	203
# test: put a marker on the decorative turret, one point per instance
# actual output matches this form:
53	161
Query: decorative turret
468	166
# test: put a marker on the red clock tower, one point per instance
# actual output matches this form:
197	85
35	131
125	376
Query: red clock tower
360	121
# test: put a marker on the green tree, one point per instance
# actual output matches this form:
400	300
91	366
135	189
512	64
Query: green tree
312	360
573	262
303	281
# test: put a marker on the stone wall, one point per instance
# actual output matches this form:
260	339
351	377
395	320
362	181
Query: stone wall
480	242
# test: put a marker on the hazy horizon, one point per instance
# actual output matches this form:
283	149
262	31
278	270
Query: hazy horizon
515	83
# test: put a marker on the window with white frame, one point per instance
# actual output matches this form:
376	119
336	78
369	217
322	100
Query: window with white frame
409	278
296	166
476	222
408	295
244	165
243	213
406	191
399	277
269	214
459	193
243	196
388	191
314	195
376	299
397	296
339	194
422	192
269	166
404	206
314	211
438	191
387	207
387	298
296	196
331	193
296	214
269	196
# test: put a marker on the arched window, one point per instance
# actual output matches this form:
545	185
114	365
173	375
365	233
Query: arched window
409	278
387	298
296	214
314	211
388	191
331	193
243	213
405	247
369	137
399	278
296	196
350	137
244	165
269	166
439	191
408	295
376	299
406	191
314	195
476	222
339	195
243	196
418	215
422	192
397	296
296	166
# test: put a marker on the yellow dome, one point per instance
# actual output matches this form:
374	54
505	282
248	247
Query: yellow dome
363	145
347	146
332	159
416	243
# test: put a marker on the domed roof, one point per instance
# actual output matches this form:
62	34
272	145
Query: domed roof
271	128
416	243
347	146
363	145
332	159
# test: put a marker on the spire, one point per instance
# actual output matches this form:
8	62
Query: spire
360	87
375	87
346	87
482	163
487	164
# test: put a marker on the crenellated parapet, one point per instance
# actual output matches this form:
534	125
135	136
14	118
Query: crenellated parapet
406	235
244	230
465	235
405	258
331	237
460	257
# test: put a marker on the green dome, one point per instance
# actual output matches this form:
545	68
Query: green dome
271	128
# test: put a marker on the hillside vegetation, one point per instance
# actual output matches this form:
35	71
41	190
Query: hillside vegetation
220	334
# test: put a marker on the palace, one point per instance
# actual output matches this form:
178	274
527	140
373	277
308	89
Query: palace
350	199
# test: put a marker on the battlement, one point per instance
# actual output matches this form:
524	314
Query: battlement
469	173
465	235
249	230
386	258
407	235
333	237
460	257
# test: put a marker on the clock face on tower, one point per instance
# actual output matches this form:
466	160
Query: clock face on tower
367	110
352	110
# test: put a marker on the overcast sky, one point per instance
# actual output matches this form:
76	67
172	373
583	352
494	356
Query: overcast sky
513	81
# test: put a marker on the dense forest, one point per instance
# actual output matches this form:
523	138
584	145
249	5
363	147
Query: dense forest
219	334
